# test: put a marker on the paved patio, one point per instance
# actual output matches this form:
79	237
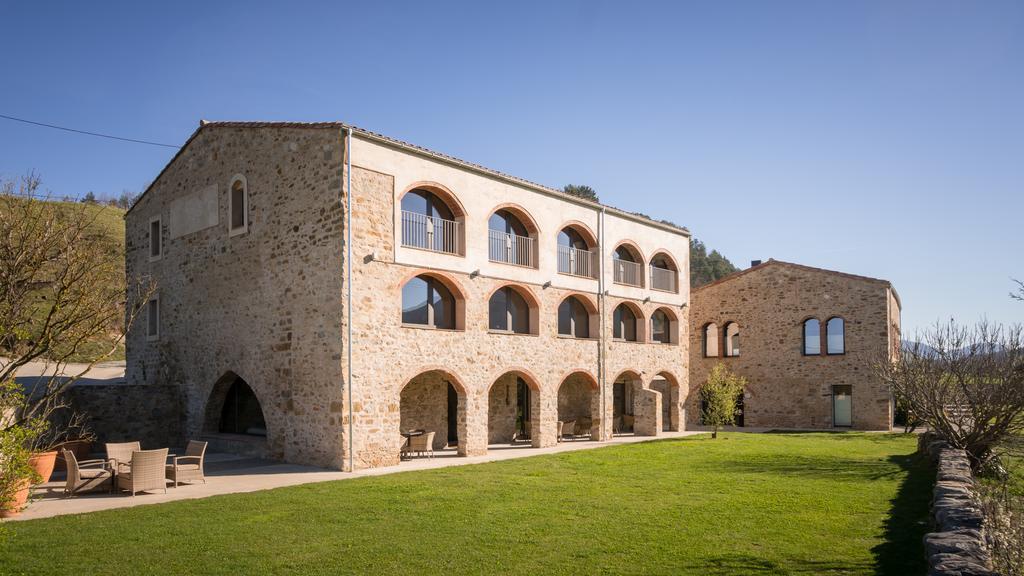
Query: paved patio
231	474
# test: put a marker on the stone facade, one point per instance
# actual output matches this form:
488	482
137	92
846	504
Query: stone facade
268	303
788	389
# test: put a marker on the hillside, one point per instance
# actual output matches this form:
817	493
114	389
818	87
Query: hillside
107	227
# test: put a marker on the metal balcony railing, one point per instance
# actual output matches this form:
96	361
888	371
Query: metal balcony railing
431	233
662	279
577	262
512	249
628	273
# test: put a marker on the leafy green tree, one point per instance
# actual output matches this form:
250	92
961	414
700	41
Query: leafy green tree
581	191
706	268
719	394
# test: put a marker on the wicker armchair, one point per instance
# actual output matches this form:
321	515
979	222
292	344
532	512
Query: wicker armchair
422	444
569	429
628	422
119	455
147	472
188	468
84	476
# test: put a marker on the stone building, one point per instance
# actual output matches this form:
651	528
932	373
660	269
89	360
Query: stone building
474	305
804	338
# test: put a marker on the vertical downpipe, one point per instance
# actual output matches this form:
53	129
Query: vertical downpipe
601	337
348	280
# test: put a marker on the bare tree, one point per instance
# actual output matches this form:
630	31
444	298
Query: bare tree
1019	294
965	383
62	287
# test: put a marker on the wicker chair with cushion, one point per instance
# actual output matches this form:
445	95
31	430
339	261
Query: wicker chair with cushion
422	444
627	422
188	468
148	471
86	475
120	454
583	426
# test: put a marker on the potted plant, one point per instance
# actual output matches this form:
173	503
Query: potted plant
53	438
16	440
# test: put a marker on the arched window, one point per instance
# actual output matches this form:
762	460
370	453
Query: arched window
509	240
661	327
427	302
624	324
429	223
627	267
573	318
812	337
574	255
732	339
835	336
238	206
663	274
508	311
710	340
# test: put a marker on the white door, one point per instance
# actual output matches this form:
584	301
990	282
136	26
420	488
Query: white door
842	405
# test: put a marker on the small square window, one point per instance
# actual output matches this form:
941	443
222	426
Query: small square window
155	240
153	319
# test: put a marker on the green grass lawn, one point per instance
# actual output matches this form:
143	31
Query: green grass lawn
841	503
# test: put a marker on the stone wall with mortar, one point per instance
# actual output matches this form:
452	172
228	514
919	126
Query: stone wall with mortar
268	304
787	389
125	413
265	304
387	355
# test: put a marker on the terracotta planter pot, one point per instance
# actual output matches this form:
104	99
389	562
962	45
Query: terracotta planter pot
42	463
20	497
80	448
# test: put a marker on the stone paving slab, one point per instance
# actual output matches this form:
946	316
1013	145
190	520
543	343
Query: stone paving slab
230	474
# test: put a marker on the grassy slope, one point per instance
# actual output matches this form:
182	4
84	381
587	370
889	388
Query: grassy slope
745	504
109	227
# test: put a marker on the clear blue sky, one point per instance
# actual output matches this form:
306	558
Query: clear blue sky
878	138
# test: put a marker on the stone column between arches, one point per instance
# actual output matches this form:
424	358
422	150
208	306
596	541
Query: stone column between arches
646	411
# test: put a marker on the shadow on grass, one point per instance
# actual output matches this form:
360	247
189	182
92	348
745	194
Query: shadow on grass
903	549
811	466
732	564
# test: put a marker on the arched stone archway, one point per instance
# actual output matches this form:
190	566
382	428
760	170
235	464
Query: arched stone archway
672	399
579	403
513	410
435	401
234	420
635	409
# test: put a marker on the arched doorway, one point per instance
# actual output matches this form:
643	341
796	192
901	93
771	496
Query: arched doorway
434	402
579	407
635	409
513	410
234	421
233	408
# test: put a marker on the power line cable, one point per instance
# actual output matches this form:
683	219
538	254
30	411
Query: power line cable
87	133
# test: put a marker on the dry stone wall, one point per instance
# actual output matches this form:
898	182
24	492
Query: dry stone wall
957	547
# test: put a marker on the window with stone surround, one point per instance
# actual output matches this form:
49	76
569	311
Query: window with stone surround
710	340
509	311
238	206
428	302
624	324
835	336
662	327
155	241
153	318
812	337
573	318
732	339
